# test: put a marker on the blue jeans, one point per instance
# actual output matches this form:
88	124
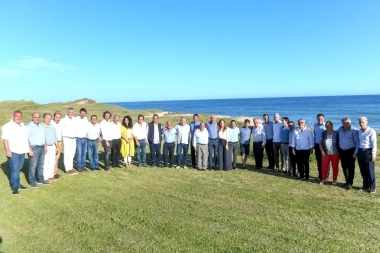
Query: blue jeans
155	152
182	147
15	164
141	152
213	146
93	155
80	154
107	152
36	165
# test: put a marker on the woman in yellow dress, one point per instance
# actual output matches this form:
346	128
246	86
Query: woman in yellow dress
127	144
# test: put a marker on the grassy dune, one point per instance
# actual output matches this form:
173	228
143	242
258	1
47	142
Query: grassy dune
170	210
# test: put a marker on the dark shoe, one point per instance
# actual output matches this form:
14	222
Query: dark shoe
22	187
144	165
118	166
74	172
15	192
80	170
85	169
70	172
33	186
372	191
107	169
44	182
56	176
349	187
52	179
301	178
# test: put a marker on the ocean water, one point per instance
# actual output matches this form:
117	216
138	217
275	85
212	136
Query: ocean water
333	107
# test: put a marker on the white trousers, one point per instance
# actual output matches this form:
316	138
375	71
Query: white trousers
49	162
69	148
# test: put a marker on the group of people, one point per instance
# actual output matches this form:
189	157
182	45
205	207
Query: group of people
213	145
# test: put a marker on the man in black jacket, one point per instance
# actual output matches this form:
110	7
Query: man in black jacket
154	140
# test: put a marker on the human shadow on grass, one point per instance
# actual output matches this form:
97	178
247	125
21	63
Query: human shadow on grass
7	172
1	241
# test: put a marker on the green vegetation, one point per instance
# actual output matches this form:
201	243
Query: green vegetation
182	210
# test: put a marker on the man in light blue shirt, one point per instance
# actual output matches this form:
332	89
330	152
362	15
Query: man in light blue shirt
302	147
93	140
193	127
36	136
245	140
213	146
233	143
319	127
348	150
285	145
169	144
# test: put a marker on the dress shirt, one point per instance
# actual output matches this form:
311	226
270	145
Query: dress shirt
268	128
169	136
50	134
234	134
93	131
141	132
194	126
225	135
259	134
348	139
36	134
67	127
200	137
212	130
277	129
302	140
116	130
245	135
285	134
368	139
318	130
291	133
81	127
106	129
183	132
16	136
156	135
57	129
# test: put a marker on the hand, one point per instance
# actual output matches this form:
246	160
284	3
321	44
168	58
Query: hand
9	154
226	147
195	148
323	155
137	143
311	151
31	153
373	158
294	152
354	155
107	144
263	146
45	150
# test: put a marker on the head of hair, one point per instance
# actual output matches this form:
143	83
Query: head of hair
129	122
155	115
140	115
56	113
220	128
45	114
291	122
364	118
346	119
265	115
196	114
320	114
329	122
286	119
17	111
82	110
70	109
105	113
94	116
276	114
232	121
247	120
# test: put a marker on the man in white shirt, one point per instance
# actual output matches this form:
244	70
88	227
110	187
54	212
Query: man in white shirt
302	147
116	142
93	140
57	126
367	155
81	141
277	129
16	144
292	157
259	141
68	127
200	144
106	129
140	134
183	133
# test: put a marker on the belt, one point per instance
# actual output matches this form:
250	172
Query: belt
269	139
141	139
213	139
92	140
51	145
68	137
233	142
365	149
257	141
37	146
284	142
201	144
169	142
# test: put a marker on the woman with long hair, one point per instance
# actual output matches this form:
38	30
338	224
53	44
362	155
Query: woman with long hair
224	156
127	144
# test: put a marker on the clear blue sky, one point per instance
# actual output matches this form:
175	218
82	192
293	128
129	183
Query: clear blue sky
143	50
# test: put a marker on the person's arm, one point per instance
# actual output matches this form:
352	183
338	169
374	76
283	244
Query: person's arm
374	145
356	139
195	141
311	142
8	152
227	138
264	138
322	149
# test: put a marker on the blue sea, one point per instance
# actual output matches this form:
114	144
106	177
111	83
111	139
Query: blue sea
333	107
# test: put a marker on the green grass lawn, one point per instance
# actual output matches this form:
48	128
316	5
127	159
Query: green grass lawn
185	210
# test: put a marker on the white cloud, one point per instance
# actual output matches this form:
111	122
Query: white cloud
30	65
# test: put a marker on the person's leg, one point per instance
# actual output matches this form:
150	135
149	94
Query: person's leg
363	170
256	154
90	149
138	154
171	154
107	152
200	156
192	152
32	167
57	156
227	159
325	165
179	152
370	166
95	154
205	154
15	165
300	164
40	164
285	157
351	166
276	154
318	157
344	163
158	154
185	153
269	151
335	165
306	157
84	152
220	156
143	151
165	154
117	152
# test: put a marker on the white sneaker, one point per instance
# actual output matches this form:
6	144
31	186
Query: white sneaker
177	167
184	167
334	182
